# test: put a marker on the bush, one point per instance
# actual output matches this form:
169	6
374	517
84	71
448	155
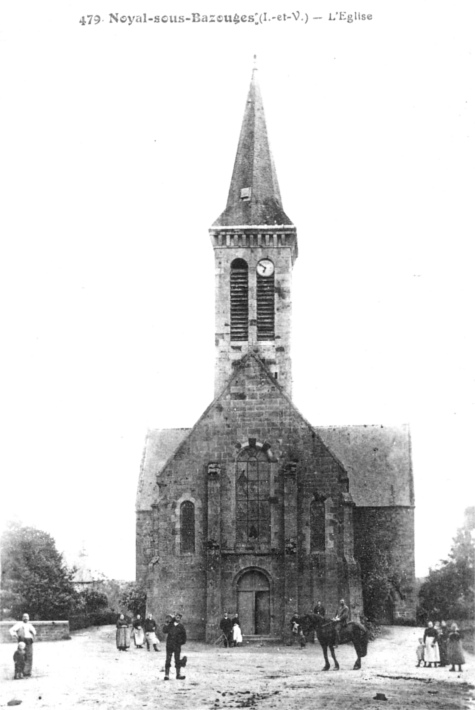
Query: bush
134	599
85	621
401	621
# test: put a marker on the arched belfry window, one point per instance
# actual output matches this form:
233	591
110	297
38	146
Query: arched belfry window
265	306
252	497
239	284
187	527
317	526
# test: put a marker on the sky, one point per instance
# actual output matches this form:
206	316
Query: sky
117	146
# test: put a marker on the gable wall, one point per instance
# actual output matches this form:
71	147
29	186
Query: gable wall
203	584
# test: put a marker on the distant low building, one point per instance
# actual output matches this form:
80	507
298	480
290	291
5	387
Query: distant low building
85	577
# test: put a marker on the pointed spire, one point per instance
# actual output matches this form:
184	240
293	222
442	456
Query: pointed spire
254	195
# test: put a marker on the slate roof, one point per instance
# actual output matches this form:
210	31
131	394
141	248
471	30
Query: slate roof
160	444
253	170
377	459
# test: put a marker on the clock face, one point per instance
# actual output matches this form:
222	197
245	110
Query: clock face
265	267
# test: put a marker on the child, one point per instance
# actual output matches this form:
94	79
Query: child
19	658
420	654
237	635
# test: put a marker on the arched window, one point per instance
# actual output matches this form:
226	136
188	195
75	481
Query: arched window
265	307
187	527
252	497
317	526
239	285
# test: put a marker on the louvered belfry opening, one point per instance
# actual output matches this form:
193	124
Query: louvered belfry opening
265	307
239	300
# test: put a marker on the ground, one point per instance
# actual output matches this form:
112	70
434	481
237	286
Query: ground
89	672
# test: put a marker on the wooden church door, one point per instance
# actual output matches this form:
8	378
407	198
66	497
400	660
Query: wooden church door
254	604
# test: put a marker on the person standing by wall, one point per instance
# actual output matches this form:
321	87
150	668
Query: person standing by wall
138	632
226	626
319	610
24	631
236	632
150	628
176	638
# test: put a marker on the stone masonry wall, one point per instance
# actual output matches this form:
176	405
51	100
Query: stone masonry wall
45	630
276	352
390	530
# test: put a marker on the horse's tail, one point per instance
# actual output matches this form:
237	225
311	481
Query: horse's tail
360	639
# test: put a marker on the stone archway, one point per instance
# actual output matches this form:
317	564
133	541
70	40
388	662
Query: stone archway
253	594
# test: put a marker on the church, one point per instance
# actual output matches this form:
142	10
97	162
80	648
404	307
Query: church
254	510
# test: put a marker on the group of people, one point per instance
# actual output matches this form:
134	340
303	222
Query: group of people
145	632
438	647
441	647
230	630
141	632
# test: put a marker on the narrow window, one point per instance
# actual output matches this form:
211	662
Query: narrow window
265	307
317	526
239	300
252	497
187	526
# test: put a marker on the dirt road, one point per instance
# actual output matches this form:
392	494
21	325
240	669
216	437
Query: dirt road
89	672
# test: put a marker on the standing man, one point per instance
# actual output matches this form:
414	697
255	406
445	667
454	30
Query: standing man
319	610
24	631
150	628
176	638
226	626
342	617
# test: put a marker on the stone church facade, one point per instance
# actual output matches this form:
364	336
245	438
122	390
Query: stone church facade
255	510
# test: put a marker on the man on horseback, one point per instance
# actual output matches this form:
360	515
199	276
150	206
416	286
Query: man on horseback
342	616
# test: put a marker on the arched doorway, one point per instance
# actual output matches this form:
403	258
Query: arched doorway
254	603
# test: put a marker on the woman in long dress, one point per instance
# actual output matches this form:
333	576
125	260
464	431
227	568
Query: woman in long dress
431	650
122	636
139	635
455	654
442	641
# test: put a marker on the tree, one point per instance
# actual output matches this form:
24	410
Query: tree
35	578
134	598
92	601
449	590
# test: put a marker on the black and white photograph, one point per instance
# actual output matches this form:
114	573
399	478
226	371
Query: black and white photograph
238	390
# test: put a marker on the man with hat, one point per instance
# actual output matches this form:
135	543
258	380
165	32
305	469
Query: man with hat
176	638
226	626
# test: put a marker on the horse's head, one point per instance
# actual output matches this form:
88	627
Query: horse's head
309	622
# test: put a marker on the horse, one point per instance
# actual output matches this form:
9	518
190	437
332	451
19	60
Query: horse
326	632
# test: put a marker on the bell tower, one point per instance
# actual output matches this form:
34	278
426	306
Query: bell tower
255	246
